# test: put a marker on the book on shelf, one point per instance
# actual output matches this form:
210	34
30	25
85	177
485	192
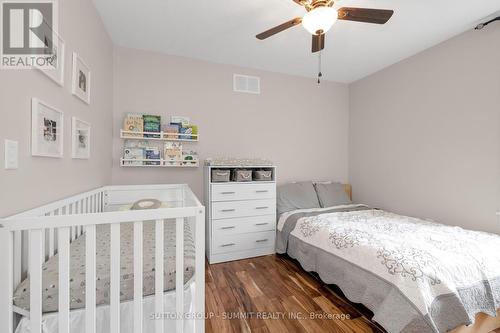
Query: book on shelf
133	123
171	131
193	131
189	157
172	153
152	124
152	153
133	153
183	121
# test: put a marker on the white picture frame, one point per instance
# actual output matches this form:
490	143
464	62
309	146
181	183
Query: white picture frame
81	79
47	130
80	139
57	74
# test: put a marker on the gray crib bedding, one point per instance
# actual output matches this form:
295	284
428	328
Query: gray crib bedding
50	269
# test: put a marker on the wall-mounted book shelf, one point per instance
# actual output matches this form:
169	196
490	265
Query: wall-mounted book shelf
158	136
159	163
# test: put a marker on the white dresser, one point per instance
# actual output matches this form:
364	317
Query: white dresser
240	217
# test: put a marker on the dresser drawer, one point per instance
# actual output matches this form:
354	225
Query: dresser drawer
226	192
244	224
241	242
232	209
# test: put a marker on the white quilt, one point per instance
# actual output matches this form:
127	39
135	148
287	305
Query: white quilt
423	260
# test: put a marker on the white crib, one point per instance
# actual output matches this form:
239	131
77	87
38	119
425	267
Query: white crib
28	239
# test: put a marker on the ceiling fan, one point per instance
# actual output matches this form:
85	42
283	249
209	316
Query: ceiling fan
321	16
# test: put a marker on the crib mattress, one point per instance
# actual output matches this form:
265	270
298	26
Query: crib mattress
50	269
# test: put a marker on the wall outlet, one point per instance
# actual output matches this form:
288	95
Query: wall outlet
11	154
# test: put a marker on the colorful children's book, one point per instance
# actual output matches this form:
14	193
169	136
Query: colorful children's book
133	123
152	124
189	157
172	131
133	153
184	121
172	153
194	132
152	153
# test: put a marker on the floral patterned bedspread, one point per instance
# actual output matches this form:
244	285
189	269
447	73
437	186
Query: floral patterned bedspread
423	260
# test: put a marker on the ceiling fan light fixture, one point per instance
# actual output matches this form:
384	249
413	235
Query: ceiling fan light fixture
320	19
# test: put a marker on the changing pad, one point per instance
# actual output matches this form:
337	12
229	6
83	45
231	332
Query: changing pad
50	269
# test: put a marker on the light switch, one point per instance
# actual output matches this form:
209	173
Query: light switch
11	154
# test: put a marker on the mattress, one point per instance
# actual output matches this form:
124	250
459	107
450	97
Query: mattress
50	268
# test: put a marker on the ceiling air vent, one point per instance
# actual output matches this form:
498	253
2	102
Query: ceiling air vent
246	84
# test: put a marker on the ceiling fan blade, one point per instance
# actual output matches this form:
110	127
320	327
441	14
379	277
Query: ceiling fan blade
367	15
279	28
318	43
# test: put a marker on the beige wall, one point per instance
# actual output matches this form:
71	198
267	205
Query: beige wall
40	180
425	133
300	126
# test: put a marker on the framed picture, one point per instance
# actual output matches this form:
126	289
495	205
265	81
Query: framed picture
57	74
46	130
80	138
81	79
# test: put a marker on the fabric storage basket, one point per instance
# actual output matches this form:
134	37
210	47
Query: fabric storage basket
241	175
262	175
219	175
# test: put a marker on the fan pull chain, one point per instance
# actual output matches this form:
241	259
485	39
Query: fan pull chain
320	75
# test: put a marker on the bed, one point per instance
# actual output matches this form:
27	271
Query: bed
80	258
414	275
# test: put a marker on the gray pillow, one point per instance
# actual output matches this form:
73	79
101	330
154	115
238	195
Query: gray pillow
332	194
296	196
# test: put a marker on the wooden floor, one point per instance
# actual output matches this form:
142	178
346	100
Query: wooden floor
240	293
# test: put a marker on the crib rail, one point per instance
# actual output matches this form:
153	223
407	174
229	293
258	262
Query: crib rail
62	222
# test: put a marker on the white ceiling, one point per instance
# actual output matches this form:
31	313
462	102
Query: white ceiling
223	31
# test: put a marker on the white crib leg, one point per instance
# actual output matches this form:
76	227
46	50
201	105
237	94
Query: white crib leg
179	274
36	254
6	280
200	271
115	279
90	277
63	250
159	229
138	276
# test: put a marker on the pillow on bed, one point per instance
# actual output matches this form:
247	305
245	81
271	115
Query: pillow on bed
332	194
296	196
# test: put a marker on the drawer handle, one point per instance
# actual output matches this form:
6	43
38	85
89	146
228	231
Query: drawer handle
261	223
229	244
262	191
264	207
228	210
261	240
228	192
231	227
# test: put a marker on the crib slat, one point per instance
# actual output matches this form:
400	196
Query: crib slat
63	239
200	269
115	279
68	212
138	276
90	277
159	229
179	273
18	269
51	242
35	258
